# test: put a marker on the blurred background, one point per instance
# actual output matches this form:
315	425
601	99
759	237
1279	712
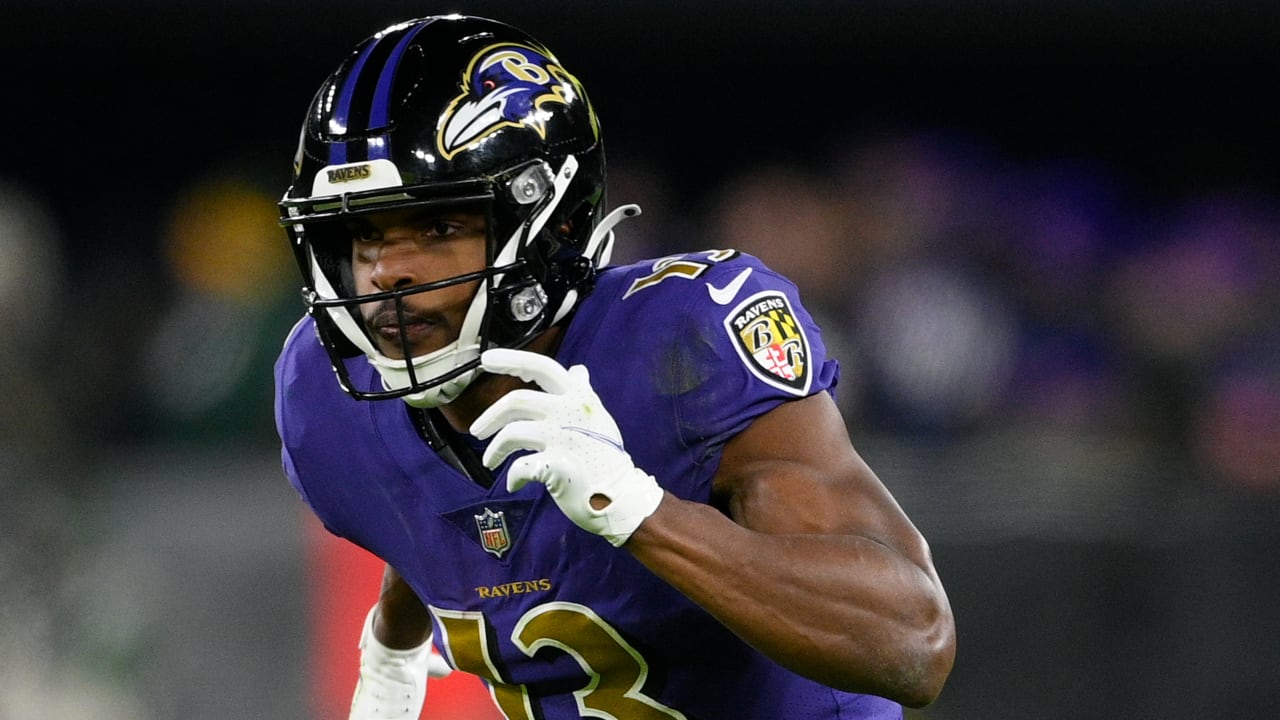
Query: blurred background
1043	238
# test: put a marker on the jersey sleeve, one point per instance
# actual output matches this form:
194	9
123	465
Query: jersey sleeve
304	381
748	345
287	377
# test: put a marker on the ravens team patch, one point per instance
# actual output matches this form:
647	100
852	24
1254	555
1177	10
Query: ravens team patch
771	341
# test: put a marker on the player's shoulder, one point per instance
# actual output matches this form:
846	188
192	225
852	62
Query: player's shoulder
303	368
301	342
718	330
711	278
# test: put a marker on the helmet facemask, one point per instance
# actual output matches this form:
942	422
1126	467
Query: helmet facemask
510	305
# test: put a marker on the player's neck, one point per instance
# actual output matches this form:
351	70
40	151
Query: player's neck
486	389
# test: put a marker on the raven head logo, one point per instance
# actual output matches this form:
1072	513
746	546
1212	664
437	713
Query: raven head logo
505	85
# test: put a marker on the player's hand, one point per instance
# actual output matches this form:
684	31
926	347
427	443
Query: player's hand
577	448
393	683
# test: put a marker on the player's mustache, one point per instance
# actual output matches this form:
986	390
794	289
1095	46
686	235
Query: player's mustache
385	314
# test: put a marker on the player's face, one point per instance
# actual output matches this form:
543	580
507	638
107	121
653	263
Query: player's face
402	248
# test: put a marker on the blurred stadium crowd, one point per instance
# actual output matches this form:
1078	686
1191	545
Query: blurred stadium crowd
965	292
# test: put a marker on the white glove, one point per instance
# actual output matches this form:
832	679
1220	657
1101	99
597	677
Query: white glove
578	451
393	683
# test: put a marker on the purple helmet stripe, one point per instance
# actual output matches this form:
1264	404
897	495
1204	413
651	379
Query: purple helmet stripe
379	113
342	108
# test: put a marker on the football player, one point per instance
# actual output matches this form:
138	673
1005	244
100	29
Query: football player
608	491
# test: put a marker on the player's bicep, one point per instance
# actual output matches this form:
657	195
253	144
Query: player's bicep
794	471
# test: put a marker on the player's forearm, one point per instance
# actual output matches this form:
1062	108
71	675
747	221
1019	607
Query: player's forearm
845	611
402	621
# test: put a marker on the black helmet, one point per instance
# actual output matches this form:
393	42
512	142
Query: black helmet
446	110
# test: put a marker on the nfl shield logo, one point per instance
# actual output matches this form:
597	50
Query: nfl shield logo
493	532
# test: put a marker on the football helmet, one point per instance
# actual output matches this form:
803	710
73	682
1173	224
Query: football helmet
459	111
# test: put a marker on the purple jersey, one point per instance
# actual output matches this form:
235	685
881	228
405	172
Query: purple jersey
684	352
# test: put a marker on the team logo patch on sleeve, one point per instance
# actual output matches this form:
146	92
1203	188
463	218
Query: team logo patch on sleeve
771	341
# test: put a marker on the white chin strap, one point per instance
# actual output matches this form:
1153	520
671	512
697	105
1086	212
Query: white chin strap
599	249
600	244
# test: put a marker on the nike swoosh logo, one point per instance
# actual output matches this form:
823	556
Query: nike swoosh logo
726	294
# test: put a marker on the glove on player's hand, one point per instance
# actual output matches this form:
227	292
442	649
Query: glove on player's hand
577	449
393	683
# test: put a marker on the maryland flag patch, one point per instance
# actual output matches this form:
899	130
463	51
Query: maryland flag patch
771	341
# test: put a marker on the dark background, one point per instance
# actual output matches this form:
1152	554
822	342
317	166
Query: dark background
152	561
105	101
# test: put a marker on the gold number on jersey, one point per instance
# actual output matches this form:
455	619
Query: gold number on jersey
688	267
616	670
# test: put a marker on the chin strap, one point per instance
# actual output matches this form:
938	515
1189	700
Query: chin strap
599	250
600	245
